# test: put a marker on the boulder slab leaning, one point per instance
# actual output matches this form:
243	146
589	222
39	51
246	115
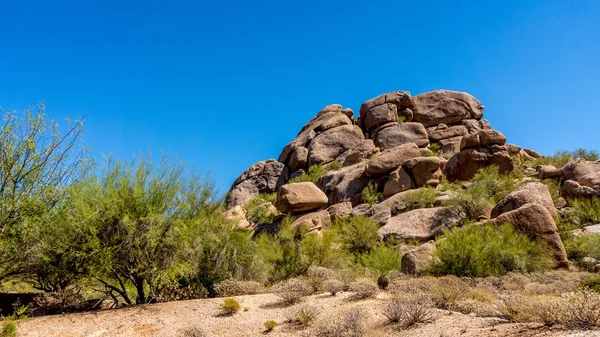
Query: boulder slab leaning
416	260
445	106
420	224
301	197
262	177
533	192
391	159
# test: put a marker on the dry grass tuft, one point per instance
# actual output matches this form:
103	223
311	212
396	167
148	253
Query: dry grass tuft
292	290
363	290
350	323
410	309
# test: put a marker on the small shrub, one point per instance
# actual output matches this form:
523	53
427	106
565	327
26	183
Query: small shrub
259	209
410	309
550	310
587	210
583	309
401	119
9	328
304	316
270	325
292	290
358	233
420	198
314	173
517	308
350	323
487	250
370	195
333	286
435	148
334	165
230	306
492	185
470	204
364	289
560	158
592	283
177	292
193	332
233	287
581	246
382	258
318	275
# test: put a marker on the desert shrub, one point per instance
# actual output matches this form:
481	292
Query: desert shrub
420	198
334	165
469	203
592	283
314	173
583	309
192	332
370	195
410	309
292	290
233	287
9	328
381	258
364	289
581	246
258	210
270	325
304	316
550	310
485	250
435	148
181	291
230	306
357	233
350	323
401	119
333	286
318	275
587	210
560	158
517	308
491	185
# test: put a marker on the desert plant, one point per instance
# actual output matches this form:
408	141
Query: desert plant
435	148
260	210
401	119
318	275
292	290
334	165
420	198
333	286
358	233
581	246
550	310
350	323
9	328
560	158
592	283
410	309
587	210
304	316
486	250
470	203
583	309
364	289
230	306
314	173
370	194
490	184
192	332
517	308
382	258
233	287
270	325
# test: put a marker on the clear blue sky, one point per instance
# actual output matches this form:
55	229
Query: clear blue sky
223	84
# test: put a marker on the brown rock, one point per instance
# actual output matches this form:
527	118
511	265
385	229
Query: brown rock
314	221
298	159
416	260
262	177
530	193
491	137
401	134
364	150
449	147
465	164
513	149
300	197
419	224
345	184
381	114
425	171
398	181
340	211
533	153
379	213
328	145
470	141
391	159
444	106
549	172
573	190
448	132
474	125
399	98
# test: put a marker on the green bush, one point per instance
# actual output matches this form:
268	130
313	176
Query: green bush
488	250
435	148
270	325
257	210
420	198
492	185
334	165
230	306
314	173
370	195
560	158
358	234
593	283
581	246
471	205
587	210
9	329
382	259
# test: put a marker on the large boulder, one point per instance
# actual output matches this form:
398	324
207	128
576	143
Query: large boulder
381	114
391	159
449	147
302	197
402	133
465	164
573	190
384	108
530	193
329	117
327	146
366	149
444	106
549	172
298	159
420	224
416	260
581	179
398	181
538	223
345	184
340	211
262	177
379	213
314	221
442	131
425	171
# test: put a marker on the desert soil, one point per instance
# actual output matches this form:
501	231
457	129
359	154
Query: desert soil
169	319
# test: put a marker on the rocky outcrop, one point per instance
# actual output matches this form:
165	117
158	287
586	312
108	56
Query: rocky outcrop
416	260
391	159
549	172
398	181
399	134
465	164
425	171
314	221
530	193
328	145
581	179
262	177
419	224
345	184
340	211
384	109
300	197
444	106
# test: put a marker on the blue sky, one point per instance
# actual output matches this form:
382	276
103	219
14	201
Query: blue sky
224	84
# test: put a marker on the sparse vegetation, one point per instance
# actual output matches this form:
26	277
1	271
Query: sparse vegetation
314	173
410	309
560	158
270	325
364	289
333	286
292	290
9	328
192	332
435	148
359	233
230	306
370	195
587	210
260	210
304	316
420	198
583	308
350	323
233	287
581	246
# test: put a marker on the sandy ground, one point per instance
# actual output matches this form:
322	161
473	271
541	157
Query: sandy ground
169	319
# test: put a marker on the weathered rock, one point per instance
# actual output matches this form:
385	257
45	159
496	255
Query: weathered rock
340	211
444	106
345	184
328	145
401	134
449	147
474	125
536	222
298	159
419	224
533	153
348	112
573	190
398	181
436	134
425	152
491	137
425	171
237	214
314	221
416	260
582	179
399	98
391	159
366	149
530	193
380	114
379	213
577	169
330	117
465	164
513	149
525	156
549	172
262	177
302	197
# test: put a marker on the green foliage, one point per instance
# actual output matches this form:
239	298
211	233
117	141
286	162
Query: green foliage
401	119
560	158
587	210
487	250
358	234
470	203
581	246
420	198
9	328
490	184
370	194
334	165
230	306
382	258
314	173
435	148
592	283
270	325
257	210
